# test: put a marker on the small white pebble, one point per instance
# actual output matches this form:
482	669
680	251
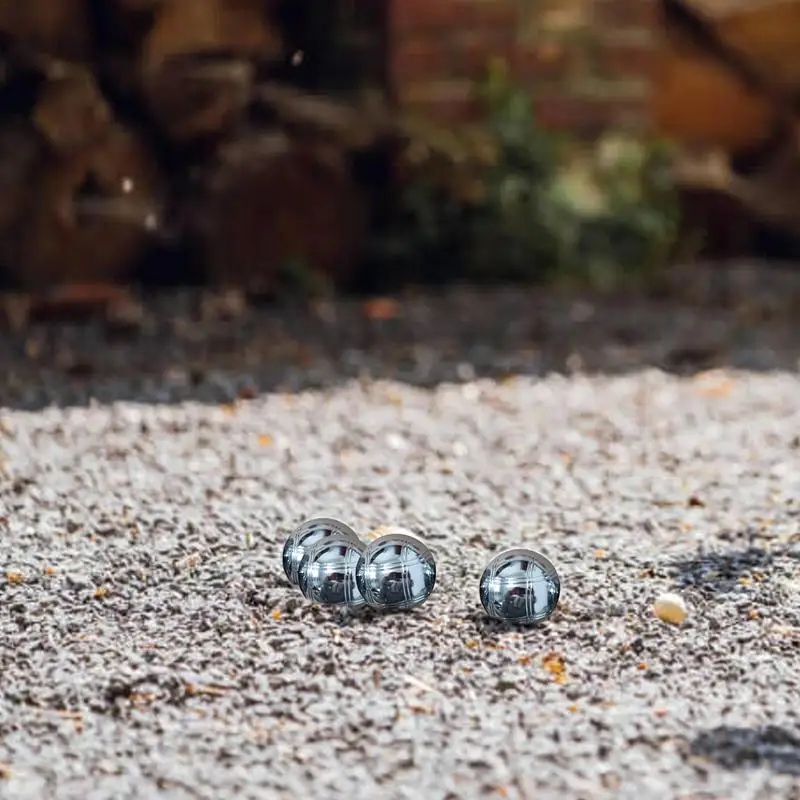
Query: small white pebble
395	442
670	608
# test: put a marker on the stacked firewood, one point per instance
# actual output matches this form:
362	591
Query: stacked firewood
728	87
125	124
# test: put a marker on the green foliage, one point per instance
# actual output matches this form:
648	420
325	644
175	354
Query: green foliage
623	211
508	200
297	277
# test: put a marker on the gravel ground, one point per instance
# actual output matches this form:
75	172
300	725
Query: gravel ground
150	645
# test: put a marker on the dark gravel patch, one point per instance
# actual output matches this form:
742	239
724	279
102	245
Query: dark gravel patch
211	348
150	645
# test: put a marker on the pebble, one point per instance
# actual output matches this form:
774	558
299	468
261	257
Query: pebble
671	608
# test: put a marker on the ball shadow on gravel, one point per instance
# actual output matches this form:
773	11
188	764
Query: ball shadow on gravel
713	573
488	627
746	748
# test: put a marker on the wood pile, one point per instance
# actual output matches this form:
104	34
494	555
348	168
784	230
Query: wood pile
125	124
728	89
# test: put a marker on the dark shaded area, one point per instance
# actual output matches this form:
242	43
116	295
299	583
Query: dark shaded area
216	347
721	228
720	572
746	748
777	245
343	44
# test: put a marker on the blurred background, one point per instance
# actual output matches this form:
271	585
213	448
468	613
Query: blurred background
309	146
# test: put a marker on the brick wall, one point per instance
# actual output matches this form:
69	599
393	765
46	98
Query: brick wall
586	62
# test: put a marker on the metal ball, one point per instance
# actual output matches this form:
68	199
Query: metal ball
520	585
396	572
308	534
327	572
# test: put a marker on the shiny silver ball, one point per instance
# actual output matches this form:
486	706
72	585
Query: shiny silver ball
520	585
396	572
327	572
307	534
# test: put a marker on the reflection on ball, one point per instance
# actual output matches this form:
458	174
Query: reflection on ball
327	572
308	534
396	571
520	585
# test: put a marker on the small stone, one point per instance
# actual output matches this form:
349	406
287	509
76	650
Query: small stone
327	572
520	585
670	608
396	571
308	534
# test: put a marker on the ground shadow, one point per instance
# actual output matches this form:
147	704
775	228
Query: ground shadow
745	748
215	348
713	573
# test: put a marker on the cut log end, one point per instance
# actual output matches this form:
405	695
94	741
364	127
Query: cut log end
71	112
274	209
190	27
192	98
88	215
56	28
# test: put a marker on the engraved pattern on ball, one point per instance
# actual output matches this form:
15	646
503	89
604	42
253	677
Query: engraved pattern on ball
327	572
396	571
308	534
520	585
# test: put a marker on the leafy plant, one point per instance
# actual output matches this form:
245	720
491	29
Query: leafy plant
630	228
508	200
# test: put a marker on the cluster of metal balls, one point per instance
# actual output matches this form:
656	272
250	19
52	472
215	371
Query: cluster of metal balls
331	565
